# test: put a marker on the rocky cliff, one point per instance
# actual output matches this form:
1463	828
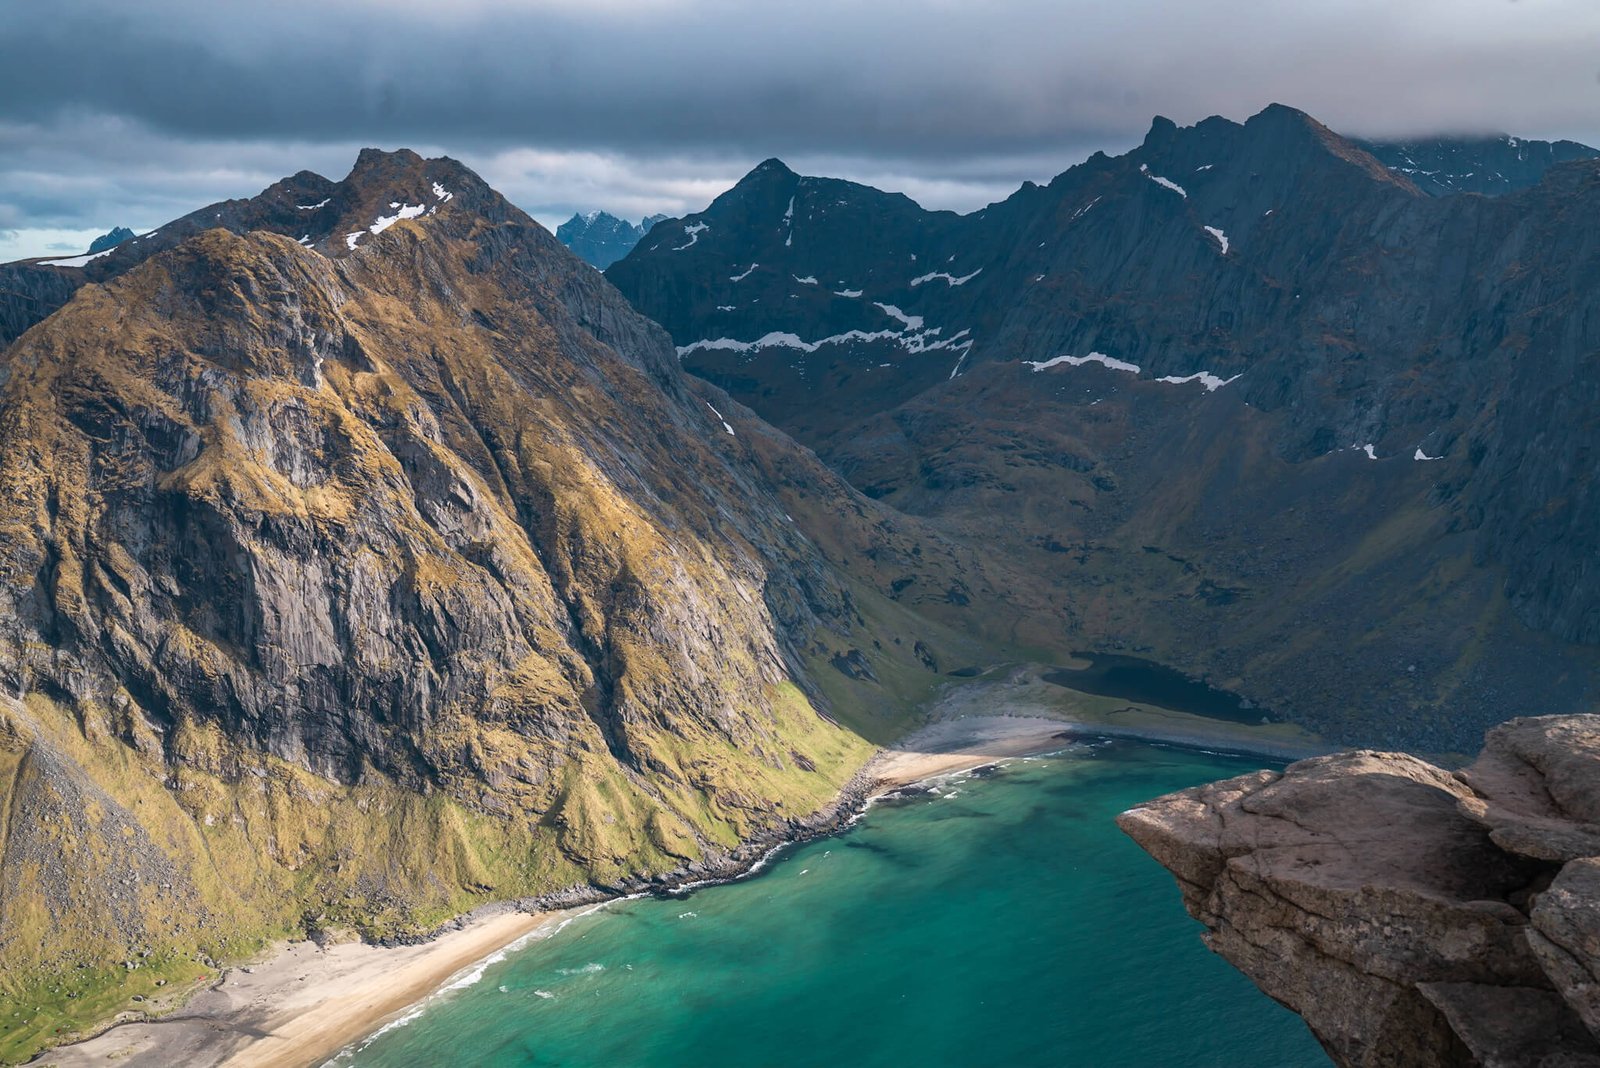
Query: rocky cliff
1413	916
354	576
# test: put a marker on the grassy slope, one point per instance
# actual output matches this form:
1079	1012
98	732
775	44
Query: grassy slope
278	852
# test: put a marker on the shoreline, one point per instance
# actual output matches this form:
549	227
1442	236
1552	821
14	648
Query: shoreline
303	1004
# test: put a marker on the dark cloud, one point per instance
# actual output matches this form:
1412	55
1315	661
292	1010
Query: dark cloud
112	111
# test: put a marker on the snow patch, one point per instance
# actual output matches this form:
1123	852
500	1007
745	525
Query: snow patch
949	279
724	422
847	292
693	233
912	322
1079	212
351	239
1222	238
808	280
1205	378
725	307
745	274
917	342
1420	455
77	261
313	207
407	211
1165	183
442	194
1079	361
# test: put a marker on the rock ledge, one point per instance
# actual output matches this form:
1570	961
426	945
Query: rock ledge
1412	915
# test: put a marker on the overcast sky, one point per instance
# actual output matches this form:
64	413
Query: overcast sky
117	113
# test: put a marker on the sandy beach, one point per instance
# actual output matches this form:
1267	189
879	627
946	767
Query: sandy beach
949	746
303	1004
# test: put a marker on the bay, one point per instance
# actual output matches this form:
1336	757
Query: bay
1000	920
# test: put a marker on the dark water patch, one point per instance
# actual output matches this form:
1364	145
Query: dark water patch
952	811
1131	678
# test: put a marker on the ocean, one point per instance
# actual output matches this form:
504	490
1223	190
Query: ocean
999	920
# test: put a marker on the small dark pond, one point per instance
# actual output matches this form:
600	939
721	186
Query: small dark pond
1134	679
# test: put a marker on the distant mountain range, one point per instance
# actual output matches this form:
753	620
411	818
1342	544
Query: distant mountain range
601	238
1492	166
111	240
1249	398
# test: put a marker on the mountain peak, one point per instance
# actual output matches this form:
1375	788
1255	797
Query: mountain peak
601	238
1162	131
1287	125
767	173
376	157
1276	112
116	236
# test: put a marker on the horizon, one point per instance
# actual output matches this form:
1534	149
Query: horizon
25	243
569	108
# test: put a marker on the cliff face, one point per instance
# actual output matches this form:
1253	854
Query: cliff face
1413	916
361	582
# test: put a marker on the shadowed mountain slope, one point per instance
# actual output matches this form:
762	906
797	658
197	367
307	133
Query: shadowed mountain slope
1306	428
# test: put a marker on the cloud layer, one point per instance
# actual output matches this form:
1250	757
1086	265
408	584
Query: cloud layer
112	113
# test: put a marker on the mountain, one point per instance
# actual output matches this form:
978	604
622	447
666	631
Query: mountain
1492	166
108	241
366	557
601	238
1251	403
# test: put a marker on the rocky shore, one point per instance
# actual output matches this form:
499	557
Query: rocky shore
1412	915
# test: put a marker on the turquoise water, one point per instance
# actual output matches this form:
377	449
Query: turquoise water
1005	923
